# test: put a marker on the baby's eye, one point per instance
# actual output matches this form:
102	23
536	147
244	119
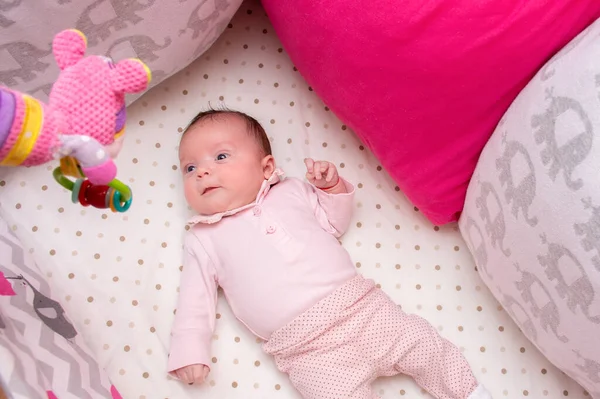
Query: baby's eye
190	168
223	156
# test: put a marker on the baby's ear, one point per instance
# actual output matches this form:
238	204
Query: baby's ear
268	164
130	76
68	47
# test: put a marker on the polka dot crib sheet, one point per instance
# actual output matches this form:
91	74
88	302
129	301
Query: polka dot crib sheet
118	274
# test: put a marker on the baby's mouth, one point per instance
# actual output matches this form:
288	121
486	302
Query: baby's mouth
208	190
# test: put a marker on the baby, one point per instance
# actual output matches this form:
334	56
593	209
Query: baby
270	244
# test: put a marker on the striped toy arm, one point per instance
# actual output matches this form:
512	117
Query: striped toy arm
95	162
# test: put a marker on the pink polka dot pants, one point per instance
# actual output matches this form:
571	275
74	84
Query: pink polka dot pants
340	346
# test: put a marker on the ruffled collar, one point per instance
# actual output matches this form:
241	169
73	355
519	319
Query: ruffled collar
275	178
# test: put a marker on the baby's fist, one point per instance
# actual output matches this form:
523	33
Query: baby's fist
322	174
193	374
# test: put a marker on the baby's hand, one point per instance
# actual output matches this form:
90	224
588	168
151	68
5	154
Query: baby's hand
322	174
192	374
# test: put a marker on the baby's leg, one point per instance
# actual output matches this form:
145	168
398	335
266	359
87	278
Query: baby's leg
436	364
408	344
331	373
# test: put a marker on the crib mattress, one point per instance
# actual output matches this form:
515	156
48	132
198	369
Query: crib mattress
117	275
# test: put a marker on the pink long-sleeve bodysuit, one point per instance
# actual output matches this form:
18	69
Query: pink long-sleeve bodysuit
287	278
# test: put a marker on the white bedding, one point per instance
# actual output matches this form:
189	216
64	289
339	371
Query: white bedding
119	273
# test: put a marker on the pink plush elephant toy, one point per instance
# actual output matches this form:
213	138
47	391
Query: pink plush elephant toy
82	124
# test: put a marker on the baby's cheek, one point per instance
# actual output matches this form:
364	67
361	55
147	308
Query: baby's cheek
190	192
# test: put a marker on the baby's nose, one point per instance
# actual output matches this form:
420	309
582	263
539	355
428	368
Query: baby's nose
201	172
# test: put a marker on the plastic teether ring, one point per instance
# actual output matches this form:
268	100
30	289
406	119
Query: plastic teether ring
75	190
116	195
116	202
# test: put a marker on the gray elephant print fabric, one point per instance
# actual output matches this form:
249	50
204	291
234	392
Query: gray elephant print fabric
166	35
532	214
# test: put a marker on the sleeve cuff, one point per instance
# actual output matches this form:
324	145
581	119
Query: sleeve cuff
349	189
188	349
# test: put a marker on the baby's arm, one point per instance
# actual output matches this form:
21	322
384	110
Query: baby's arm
192	331
331	196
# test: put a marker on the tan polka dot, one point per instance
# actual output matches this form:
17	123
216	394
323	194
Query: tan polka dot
277	387
234	384
122	372
134	302
126	348
158	286
90	299
146	375
71	275
214	359
237	339
257	363
109	323
152	329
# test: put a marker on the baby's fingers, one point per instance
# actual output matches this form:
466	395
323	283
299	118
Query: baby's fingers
330	173
182	374
309	164
318	170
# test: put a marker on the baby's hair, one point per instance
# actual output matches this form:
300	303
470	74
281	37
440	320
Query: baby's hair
254	127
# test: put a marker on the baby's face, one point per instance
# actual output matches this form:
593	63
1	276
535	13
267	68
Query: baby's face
222	164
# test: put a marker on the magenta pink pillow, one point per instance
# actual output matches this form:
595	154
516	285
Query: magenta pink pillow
424	83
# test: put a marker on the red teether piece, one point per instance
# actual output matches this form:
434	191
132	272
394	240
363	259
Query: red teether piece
96	195
82	196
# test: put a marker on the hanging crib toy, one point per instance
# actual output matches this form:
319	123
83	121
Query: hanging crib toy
83	123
